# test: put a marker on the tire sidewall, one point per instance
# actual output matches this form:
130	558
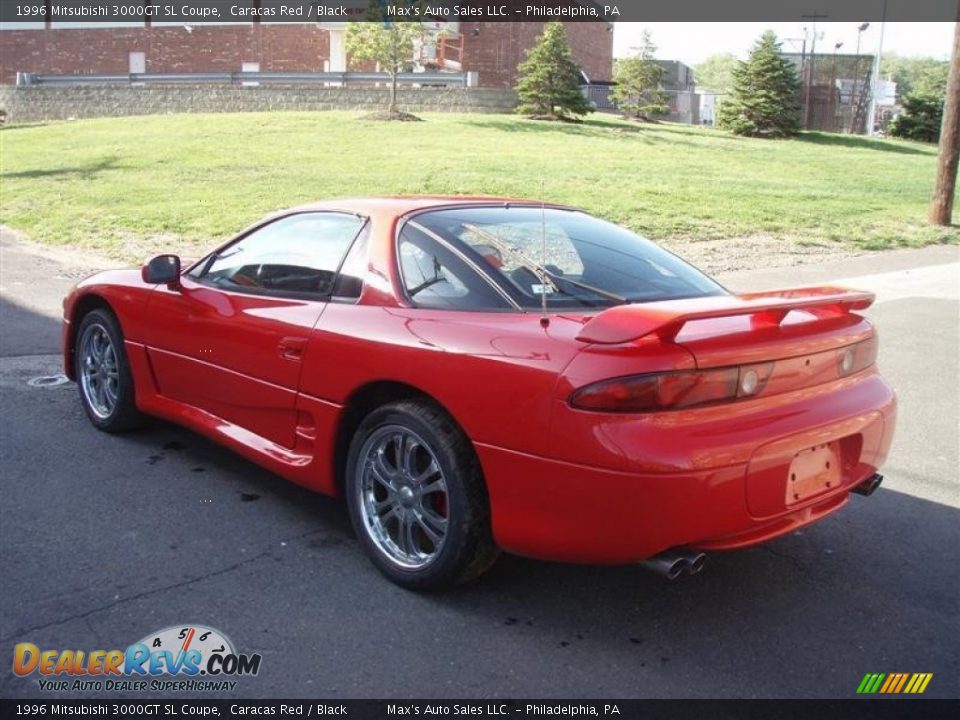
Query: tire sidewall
457	469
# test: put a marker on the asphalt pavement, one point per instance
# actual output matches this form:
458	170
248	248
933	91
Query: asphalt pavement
107	538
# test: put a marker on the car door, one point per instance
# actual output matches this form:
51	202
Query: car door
232	339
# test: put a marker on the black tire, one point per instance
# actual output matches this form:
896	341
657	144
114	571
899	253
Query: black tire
120	415
467	548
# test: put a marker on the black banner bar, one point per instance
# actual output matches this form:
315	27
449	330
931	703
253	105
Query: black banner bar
66	12
854	709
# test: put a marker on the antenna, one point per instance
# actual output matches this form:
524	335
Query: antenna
544	319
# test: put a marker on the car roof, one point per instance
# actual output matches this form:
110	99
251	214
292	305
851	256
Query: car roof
403	204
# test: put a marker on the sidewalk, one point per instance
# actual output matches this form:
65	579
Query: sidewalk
872	265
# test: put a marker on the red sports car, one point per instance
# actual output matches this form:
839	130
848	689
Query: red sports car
477	374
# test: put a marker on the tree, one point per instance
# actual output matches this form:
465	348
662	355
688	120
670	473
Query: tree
920	120
765	99
549	84
639	78
916	75
716	73
390	44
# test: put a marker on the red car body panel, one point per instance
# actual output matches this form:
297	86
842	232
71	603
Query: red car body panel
272	378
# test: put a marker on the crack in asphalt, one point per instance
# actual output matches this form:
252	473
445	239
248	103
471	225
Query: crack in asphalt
147	593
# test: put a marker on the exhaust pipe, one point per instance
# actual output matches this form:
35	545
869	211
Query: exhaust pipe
674	562
869	486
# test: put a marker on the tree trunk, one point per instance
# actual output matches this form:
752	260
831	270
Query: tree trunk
941	210
393	92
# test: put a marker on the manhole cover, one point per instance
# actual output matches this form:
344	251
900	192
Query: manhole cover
48	380
78	274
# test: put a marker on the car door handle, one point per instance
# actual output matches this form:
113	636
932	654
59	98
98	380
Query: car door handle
292	348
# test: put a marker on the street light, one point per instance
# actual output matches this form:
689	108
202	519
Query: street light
860	30
858	83
875	85
834	92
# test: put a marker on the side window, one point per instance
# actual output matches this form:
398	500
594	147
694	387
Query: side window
436	277
297	254
349	283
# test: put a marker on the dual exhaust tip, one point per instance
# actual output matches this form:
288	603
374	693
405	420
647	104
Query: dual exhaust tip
675	562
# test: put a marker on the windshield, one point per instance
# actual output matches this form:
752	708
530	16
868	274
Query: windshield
575	260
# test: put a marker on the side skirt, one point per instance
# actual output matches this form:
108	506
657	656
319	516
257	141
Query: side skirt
309	463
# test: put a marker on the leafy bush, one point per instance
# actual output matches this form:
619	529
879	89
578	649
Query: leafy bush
920	120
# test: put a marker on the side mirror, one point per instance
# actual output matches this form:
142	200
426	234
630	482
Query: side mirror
162	270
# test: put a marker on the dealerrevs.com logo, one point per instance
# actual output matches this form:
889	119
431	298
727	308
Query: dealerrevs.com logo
198	657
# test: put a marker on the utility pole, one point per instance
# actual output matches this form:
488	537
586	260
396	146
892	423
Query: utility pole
941	209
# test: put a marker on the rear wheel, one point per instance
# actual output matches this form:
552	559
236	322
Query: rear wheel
103	373
417	498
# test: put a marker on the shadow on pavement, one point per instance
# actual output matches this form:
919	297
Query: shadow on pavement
24	331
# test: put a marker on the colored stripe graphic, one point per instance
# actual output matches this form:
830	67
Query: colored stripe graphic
894	683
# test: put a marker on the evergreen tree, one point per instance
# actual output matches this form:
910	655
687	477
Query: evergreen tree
921	118
549	84
639	78
766	91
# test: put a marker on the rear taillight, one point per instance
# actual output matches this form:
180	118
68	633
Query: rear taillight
854	358
677	390
673	390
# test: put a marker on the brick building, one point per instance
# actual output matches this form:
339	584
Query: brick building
493	50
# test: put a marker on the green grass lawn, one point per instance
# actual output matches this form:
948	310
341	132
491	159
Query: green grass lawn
120	184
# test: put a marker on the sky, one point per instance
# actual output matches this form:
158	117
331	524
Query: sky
692	42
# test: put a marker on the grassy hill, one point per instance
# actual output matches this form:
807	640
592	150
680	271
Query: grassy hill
120	184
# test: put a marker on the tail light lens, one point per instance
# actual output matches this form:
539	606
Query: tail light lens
677	390
673	390
854	358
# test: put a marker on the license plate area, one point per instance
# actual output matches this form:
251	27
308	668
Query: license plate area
813	471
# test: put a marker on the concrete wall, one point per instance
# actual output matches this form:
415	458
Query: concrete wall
40	103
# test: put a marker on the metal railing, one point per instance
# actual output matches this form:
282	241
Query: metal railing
448	79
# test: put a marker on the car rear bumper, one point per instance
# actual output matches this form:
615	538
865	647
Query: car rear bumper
571	512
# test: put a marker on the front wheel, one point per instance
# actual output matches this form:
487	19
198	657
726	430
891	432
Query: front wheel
417	498
103	373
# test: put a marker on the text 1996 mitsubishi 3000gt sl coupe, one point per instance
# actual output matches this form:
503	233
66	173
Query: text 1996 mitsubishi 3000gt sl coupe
478	374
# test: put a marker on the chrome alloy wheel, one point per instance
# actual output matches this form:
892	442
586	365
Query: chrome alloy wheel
99	373
403	497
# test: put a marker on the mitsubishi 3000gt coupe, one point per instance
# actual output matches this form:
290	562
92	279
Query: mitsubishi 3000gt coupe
483	374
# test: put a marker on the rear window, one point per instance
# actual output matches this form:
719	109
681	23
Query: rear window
575	260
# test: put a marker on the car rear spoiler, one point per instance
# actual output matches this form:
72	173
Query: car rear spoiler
665	319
